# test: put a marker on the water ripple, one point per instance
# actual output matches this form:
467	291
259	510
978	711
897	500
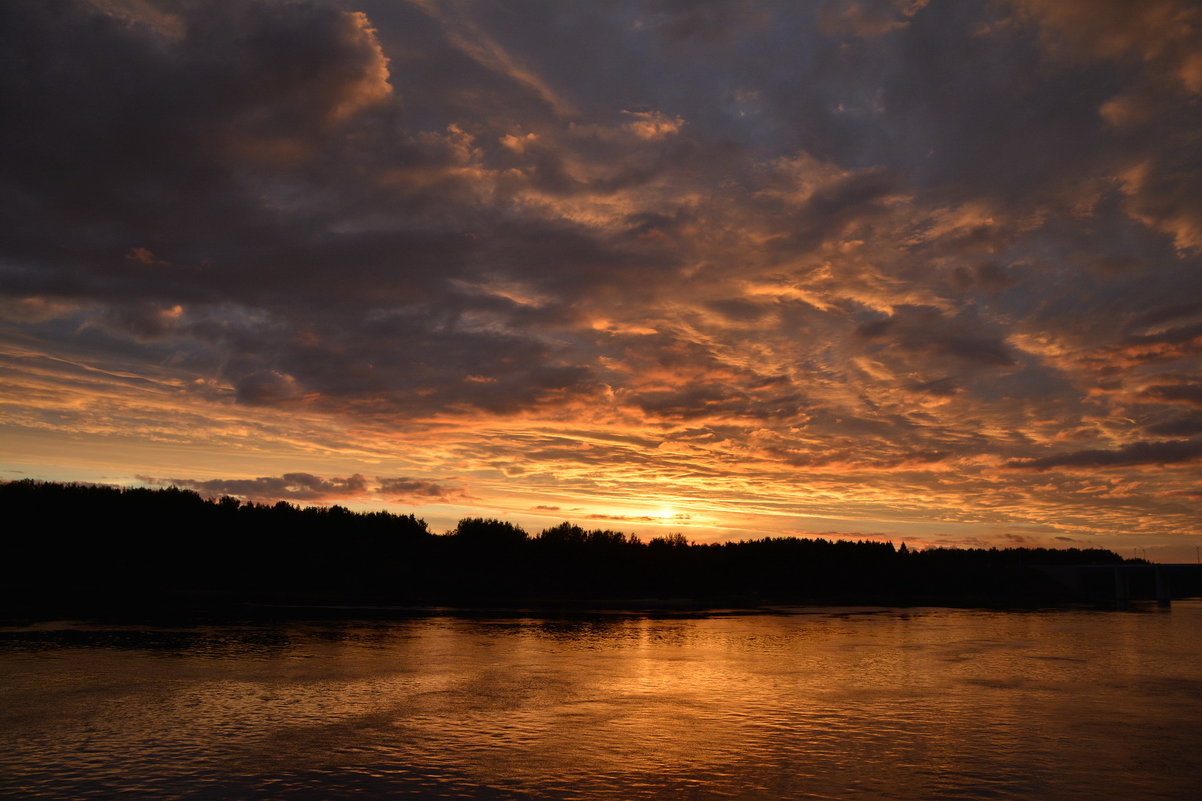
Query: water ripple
921	704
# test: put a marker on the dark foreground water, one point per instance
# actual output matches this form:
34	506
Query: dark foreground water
893	704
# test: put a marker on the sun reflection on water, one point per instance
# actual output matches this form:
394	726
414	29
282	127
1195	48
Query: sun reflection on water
922	704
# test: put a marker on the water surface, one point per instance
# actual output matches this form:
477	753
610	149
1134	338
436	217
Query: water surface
893	704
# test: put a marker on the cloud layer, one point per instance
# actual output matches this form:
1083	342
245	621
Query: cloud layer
884	263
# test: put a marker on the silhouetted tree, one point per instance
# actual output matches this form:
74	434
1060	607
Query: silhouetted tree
172	544
488	531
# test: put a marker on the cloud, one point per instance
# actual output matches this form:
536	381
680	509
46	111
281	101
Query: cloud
267	489
925	331
1132	455
681	518
868	20
1176	393
267	387
750	256
1164	34
1162	39
147	321
1178	427
416	490
1163	314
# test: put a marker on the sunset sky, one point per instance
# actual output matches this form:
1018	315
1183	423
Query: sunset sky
925	272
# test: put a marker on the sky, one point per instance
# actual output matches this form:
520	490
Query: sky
923	272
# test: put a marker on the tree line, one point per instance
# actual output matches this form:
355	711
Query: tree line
86	544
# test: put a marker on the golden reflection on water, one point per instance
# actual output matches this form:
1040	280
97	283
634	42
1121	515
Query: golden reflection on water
894	704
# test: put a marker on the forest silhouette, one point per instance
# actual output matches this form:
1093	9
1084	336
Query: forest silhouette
90	547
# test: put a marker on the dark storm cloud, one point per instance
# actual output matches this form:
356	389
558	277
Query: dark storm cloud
1164	314
942	387
133	133
1178	427
288	487
273	156
859	455
925	330
833	208
738	309
1157	45
1185	334
267	387
221	158
987	275
703	401
965	125
1132	455
1176	393
146	320
417	490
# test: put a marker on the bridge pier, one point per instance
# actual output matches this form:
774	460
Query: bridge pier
1123	583
1162	589
1122	588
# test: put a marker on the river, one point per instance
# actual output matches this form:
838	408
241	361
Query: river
805	704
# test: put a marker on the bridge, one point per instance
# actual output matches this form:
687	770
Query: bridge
1129	582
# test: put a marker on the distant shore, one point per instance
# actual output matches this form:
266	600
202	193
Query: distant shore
171	554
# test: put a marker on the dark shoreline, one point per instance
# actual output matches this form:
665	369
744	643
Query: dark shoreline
188	611
104	552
